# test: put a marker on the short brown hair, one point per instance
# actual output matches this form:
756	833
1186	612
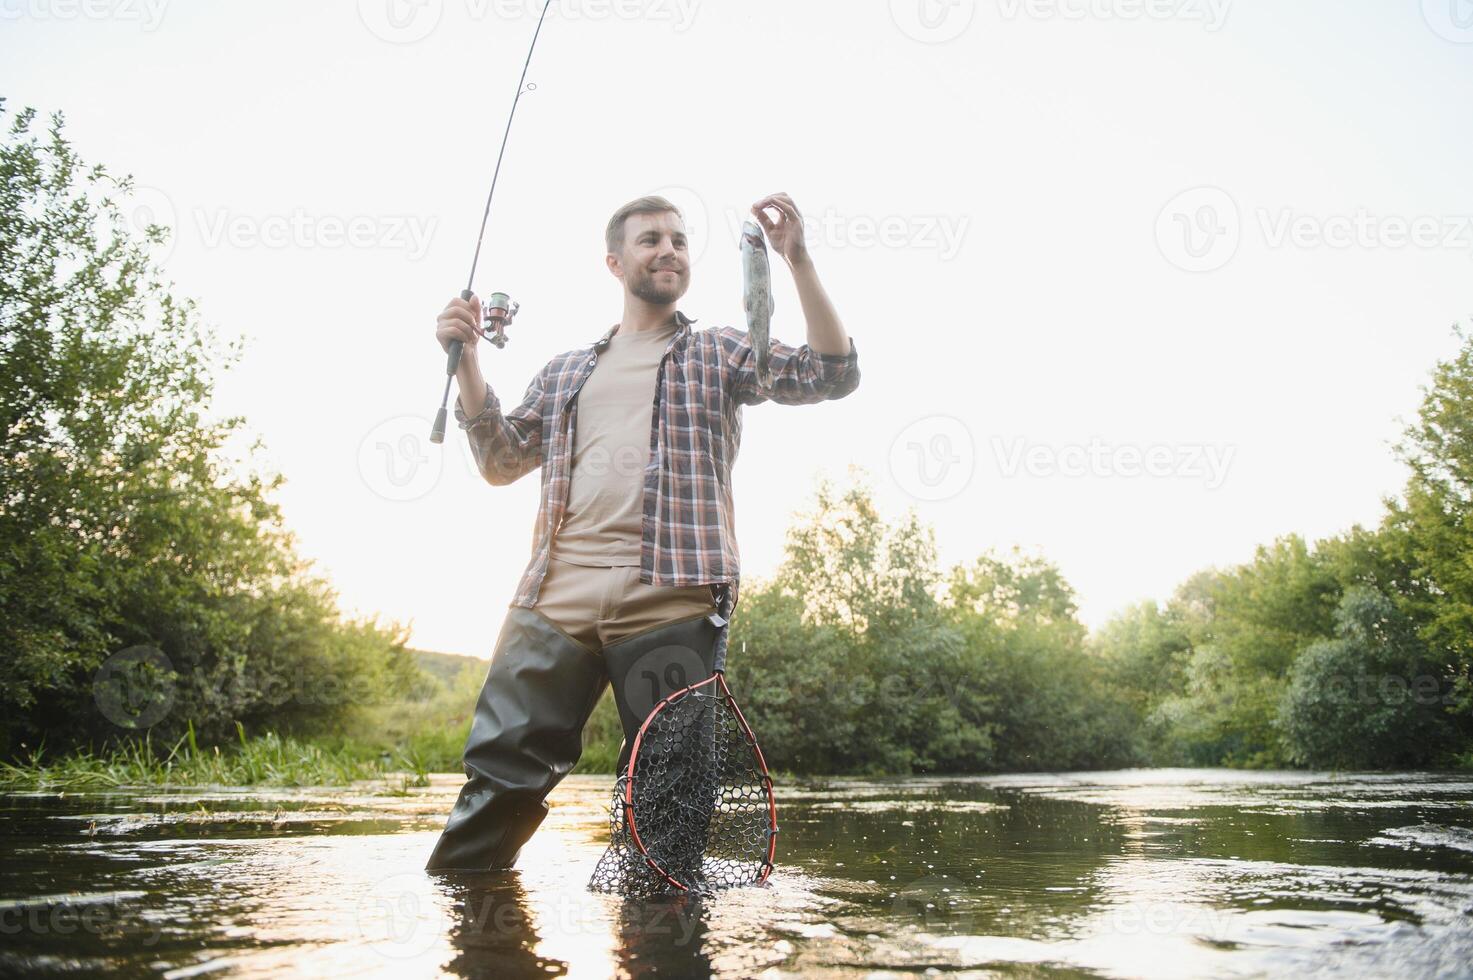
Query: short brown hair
649	204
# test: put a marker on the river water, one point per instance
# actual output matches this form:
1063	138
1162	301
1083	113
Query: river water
1135	873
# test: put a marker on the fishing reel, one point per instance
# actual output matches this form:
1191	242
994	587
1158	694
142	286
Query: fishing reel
497	312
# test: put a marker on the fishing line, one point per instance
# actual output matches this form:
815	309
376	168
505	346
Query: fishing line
521	88
498	311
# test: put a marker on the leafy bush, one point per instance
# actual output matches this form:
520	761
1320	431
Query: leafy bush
1371	697
124	523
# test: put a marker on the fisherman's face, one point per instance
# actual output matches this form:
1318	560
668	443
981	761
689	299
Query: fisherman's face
655	260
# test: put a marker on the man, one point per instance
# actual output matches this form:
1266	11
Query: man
636	530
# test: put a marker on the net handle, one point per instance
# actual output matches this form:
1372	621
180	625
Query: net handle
723	614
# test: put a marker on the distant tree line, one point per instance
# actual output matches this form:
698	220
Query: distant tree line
862	656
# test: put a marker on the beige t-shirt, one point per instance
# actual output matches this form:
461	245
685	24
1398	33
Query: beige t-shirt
611	445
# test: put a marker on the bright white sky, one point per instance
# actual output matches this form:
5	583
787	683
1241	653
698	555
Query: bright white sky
1001	193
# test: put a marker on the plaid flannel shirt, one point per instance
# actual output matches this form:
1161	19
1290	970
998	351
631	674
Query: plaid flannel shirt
705	378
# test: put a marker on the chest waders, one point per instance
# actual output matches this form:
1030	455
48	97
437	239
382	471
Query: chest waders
527	733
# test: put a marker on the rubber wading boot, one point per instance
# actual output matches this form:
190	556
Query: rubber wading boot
526	735
647	667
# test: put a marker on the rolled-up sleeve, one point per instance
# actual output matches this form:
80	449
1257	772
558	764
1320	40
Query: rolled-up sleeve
800	375
507	446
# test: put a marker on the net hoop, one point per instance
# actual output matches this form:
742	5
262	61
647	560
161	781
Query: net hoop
717	681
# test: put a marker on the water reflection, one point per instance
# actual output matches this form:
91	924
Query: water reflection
1149	873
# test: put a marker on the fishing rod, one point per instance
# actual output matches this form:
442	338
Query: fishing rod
498	309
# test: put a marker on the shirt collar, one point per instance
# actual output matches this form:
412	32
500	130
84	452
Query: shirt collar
682	321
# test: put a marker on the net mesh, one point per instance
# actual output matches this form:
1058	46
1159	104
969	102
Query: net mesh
700	803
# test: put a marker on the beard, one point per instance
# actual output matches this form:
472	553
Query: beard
647	289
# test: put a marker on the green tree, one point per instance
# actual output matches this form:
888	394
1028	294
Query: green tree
123	521
1146	650
848	658
1434	523
1371	697
1055	704
1246	626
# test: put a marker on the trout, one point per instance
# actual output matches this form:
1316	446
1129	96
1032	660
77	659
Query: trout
757	298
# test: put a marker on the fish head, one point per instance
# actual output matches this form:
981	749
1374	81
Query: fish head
752	235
